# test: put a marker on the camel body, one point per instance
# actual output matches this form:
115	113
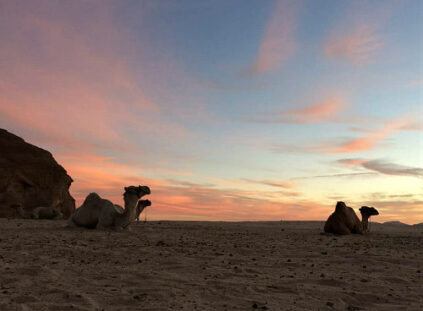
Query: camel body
100	213
343	221
41	212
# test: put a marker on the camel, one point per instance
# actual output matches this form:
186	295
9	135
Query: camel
41	212
345	221
366	213
140	207
100	213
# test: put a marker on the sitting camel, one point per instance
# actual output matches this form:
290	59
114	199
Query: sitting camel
142	204
140	207
100	213
41	212
345	221
366	213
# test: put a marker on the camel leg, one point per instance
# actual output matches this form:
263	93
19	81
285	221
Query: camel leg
35	214
71	223
343	229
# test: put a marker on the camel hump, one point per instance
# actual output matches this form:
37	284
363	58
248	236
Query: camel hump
92	197
340	206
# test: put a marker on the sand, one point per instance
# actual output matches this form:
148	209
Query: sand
208	266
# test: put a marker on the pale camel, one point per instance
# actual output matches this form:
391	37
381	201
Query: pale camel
100	213
42	212
345	221
366	213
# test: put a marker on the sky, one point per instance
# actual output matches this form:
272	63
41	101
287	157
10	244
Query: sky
229	110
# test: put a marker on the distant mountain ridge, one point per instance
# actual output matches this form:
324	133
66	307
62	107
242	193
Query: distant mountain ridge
395	223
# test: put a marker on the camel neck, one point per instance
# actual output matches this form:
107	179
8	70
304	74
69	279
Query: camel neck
365	221
128	214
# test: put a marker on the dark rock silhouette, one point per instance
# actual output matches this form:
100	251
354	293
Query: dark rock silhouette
343	221
29	178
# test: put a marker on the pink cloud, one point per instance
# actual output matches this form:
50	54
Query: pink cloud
272	183
318	111
357	46
323	110
372	139
74	89
352	162
278	42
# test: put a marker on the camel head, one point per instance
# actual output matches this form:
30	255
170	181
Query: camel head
133	194
144	203
367	211
139	191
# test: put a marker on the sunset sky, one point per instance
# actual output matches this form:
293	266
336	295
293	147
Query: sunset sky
228	110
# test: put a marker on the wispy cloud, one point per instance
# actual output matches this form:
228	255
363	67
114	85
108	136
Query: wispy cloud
72	90
272	183
372	139
323	110
384	167
318	111
347	175
358	46
278	43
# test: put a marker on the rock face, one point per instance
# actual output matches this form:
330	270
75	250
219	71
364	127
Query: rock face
30	177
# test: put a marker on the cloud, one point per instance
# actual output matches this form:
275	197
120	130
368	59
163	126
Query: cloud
272	183
323	110
384	167
319	111
357	46
372	139
78	80
278	43
337	175
417	83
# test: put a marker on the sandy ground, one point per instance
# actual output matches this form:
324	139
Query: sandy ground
208	266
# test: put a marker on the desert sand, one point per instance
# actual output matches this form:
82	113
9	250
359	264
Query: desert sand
208	266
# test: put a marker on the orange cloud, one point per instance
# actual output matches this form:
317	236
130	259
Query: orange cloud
74	89
319	111
278	42
373	138
352	162
358	46
272	183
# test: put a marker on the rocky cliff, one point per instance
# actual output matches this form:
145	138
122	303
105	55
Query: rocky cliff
30	177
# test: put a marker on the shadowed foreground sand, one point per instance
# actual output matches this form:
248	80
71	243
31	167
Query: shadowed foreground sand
208	266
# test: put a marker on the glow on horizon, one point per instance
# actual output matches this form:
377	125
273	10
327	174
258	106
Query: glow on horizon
264	110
